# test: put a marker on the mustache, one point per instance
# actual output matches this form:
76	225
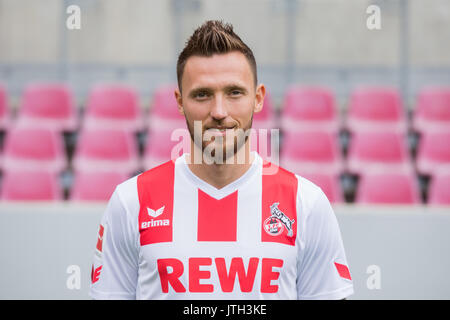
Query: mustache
220	126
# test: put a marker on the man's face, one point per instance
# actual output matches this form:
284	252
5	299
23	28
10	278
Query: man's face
220	92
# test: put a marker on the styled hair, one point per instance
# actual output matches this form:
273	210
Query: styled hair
214	37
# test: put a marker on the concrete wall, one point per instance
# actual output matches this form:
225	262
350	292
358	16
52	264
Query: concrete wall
324	42
326	32
409	245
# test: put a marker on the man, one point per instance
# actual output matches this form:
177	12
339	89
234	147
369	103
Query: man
228	226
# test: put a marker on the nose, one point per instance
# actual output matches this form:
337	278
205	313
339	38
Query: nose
218	109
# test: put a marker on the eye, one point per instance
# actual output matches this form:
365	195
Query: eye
235	92
201	95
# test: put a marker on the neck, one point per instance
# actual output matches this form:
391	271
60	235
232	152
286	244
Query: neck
220	175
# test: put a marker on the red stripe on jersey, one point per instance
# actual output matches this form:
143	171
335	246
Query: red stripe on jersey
279	206
155	190
343	271
217	219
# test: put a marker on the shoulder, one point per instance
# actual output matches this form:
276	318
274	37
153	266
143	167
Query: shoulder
307	192
128	191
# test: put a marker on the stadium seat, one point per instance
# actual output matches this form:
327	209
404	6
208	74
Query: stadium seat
388	188
4	109
164	112
439	189
95	185
113	106
432	112
266	118
433	155
48	106
160	148
311	152
307	108
106	150
31	185
33	148
375	108
371	151
329	184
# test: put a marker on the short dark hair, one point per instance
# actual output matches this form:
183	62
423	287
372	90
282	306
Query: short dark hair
214	37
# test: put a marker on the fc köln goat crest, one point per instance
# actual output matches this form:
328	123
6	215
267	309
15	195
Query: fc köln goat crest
275	224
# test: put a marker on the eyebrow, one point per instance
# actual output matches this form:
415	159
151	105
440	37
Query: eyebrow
208	90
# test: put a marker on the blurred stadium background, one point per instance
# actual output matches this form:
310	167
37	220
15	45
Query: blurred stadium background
363	113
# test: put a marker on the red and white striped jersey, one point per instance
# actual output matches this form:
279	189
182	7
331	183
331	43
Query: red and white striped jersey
270	234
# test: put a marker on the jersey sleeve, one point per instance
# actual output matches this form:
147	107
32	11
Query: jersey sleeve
115	267
323	269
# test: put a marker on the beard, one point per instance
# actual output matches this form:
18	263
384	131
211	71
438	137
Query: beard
227	146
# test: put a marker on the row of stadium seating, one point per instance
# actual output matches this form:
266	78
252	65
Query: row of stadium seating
300	151
382	188
380	108
370	159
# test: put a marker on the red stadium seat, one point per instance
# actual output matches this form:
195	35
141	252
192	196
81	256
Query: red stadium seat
311	152
49	106
4	109
160	148
164	112
375	108
432	110
329	184
265	119
388	188
106	150
309	108
378	151
112	106
95	185
433	155
30	186
439	190
33	148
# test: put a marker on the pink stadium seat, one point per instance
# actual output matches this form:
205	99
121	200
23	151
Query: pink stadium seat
388	188
49	106
309	108
375	108
439	190
95	185
329	184
4	109
30	186
378	151
106	150
160	148
113	106
164	112
433	154
311	152
265	119
432	110
33	148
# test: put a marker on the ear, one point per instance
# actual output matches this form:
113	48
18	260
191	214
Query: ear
259	98
179	99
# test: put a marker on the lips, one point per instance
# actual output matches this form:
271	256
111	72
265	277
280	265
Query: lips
219	130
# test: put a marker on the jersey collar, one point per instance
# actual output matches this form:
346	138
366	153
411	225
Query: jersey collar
226	190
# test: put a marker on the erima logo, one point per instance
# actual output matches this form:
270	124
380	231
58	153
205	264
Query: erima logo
154	214
155	223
